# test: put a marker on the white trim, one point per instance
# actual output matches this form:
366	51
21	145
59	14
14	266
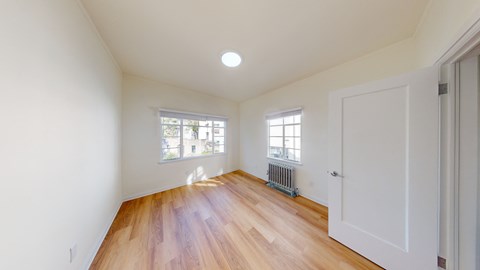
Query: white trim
466	40
286	160
164	188
153	191
272	115
191	158
101	238
224	118
314	199
454	115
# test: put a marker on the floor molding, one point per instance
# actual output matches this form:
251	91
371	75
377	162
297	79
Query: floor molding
314	199
97	246
153	191
306	196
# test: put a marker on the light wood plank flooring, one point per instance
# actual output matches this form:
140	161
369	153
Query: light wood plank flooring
233	221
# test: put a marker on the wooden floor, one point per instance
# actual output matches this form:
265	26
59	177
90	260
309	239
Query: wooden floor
231	221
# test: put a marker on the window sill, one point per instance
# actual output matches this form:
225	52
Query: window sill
286	161
190	158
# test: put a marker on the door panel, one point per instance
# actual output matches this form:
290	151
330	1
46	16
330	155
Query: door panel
383	144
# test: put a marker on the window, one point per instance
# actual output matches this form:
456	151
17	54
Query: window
185	135
284	135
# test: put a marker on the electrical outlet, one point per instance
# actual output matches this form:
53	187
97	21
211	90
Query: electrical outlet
73	252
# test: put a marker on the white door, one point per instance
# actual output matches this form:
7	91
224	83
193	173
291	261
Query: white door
383	160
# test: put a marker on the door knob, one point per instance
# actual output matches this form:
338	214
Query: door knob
334	174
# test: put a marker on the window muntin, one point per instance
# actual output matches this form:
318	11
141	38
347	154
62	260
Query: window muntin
284	136
186	136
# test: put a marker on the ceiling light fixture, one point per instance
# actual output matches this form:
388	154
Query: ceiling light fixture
231	59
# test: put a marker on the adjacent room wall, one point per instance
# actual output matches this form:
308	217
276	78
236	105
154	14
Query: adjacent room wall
60	137
142	172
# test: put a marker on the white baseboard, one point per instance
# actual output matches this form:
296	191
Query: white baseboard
310	197
315	199
94	252
152	191
160	189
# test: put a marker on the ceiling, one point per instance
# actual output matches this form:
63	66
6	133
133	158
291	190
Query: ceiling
179	42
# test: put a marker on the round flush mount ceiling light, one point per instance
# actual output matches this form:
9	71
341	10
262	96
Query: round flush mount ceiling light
231	59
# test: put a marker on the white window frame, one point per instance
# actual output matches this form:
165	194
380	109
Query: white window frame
283	114
191	116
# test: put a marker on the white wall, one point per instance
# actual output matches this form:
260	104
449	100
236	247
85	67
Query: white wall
60	135
443	23
142	174
312	95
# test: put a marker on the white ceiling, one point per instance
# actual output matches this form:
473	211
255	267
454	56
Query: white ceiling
180	42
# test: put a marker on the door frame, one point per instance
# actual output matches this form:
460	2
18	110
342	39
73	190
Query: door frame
463	44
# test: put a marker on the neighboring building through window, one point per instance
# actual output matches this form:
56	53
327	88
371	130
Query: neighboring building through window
284	135
187	135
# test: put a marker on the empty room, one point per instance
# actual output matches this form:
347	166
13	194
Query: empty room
240	134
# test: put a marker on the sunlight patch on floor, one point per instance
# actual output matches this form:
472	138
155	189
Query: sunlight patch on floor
208	183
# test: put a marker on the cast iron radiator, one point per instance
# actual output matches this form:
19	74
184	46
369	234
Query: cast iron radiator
282	178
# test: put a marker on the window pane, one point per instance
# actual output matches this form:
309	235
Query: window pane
275	152
207	149
171	131
172	121
197	141
289	131
297	155
288	120
220	149
277	121
191	136
205	123
205	133
219	124
285	137
219	131
195	148
276	141
188	122
297	119
290	154
169	154
170	142
298	143
298	131
276	131
219	140
190	133
289	141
